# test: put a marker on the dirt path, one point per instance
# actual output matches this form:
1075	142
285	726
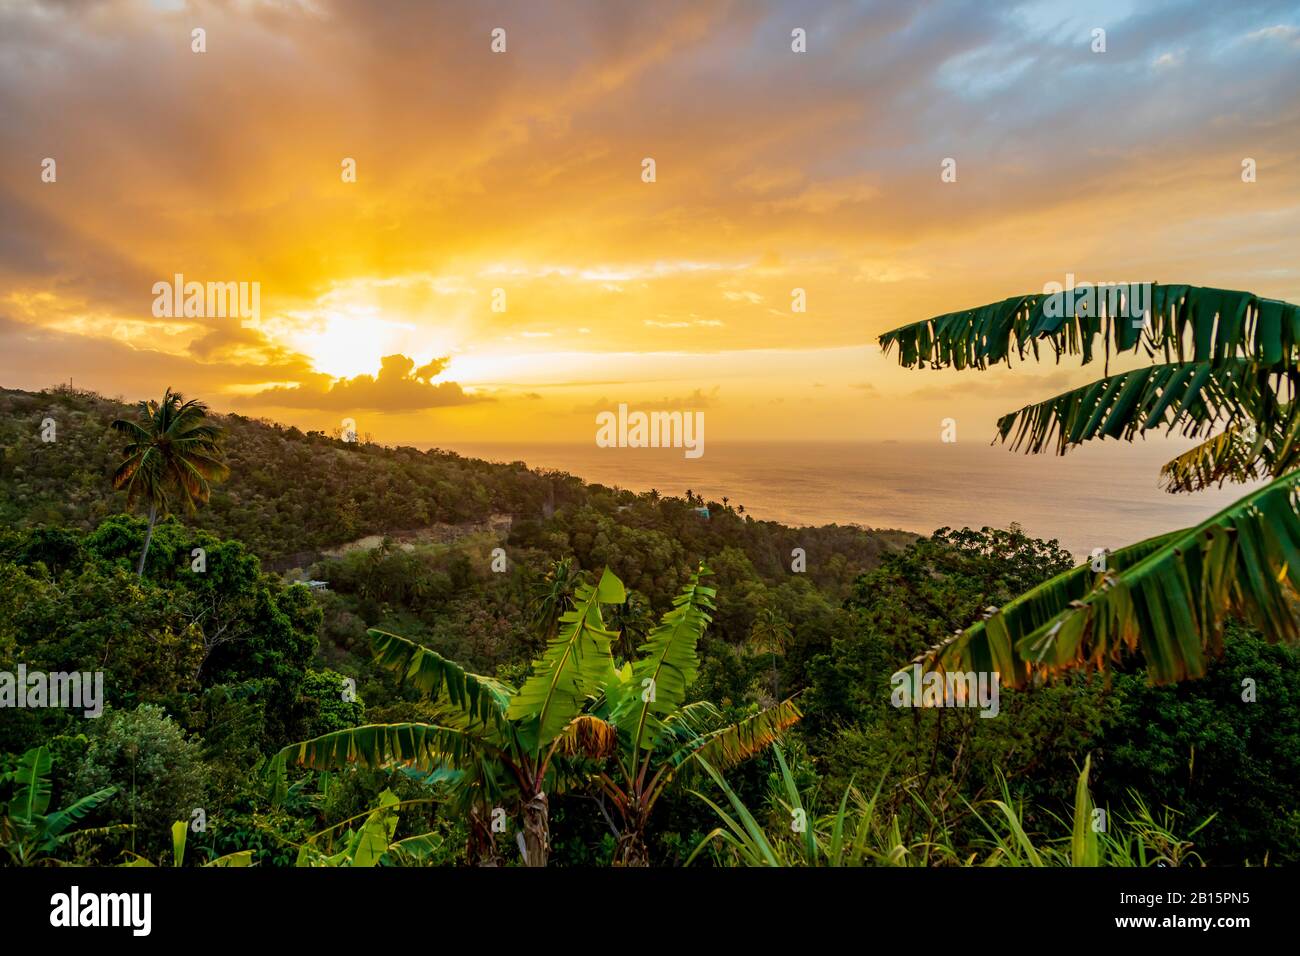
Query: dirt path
497	524
441	533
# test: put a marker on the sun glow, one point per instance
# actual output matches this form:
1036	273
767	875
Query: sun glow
344	343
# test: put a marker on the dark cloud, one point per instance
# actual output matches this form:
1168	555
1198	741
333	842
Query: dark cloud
399	387
32	357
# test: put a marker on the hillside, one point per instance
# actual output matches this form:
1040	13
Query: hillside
292	495
209	672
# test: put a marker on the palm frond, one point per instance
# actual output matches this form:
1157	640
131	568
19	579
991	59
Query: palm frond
172	448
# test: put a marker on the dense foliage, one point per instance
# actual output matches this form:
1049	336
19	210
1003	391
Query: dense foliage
213	664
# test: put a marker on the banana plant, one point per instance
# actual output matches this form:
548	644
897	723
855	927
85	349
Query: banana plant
1229	377
659	733
506	742
508	746
27	832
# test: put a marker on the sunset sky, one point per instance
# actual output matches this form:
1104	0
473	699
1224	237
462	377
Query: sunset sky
522	171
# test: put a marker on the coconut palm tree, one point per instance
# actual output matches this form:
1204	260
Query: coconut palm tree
1223	369
173	454
770	634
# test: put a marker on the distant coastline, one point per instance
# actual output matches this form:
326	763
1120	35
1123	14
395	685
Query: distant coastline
1103	495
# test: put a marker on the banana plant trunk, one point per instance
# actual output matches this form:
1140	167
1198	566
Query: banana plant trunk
536	836
631	849
481	847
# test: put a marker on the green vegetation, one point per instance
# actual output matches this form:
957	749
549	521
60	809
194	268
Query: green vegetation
576	711
1231	367
171	451
27	832
632	686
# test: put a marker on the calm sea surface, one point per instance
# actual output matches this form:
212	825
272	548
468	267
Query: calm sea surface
1100	495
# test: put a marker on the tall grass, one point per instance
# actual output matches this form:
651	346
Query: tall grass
858	833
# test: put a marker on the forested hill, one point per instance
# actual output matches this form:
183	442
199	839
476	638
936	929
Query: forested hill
210	671
290	493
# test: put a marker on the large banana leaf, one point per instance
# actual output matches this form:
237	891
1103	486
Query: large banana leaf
31	786
1240	453
1186	322
375	835
668	665
734	744
363	847
425	746
482	700
1193	397
1163	601
413	850
989	645
576	664
60	820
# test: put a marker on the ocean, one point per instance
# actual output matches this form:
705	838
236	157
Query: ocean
1101	495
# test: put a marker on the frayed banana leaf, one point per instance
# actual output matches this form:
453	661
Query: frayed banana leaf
1193	398
1240	454
989	646
482	700
1162	602
1170	608
1185	323
423	746
589	737
733	745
